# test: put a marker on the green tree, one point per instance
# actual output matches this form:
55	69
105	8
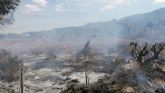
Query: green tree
7	8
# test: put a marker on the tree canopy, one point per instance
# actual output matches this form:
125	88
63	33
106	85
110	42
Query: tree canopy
7	7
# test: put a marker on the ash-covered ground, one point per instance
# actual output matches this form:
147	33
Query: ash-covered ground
92	71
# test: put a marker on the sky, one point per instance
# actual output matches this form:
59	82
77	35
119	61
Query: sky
44	15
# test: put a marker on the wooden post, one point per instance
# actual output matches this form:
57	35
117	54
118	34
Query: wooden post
86	77
21	83
86	74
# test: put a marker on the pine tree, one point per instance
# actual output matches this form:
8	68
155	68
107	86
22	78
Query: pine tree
7	8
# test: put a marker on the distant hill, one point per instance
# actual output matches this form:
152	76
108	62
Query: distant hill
147	27
140	25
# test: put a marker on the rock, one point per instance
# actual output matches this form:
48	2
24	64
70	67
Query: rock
68	78
74	81
160	90
38	89
61	83
57	88
27	86
128	90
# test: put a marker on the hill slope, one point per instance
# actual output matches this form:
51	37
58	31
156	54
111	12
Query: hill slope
141	27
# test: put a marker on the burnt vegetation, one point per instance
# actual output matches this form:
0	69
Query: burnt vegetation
9	66
137	52
140	74
141	54
157	48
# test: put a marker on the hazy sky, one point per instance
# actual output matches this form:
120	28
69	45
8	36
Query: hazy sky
36	15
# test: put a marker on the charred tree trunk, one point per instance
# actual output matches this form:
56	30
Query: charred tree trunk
137	52
156	55
139	58
21	83
156	49
86	75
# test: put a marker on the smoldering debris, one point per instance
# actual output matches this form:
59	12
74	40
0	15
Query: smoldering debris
89	71
133	76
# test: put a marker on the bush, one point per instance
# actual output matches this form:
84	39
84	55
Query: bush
9	66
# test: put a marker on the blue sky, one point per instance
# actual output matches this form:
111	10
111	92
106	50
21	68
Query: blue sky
39	15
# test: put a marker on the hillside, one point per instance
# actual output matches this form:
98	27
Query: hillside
140	27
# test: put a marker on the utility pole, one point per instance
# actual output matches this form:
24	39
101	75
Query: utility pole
21	83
